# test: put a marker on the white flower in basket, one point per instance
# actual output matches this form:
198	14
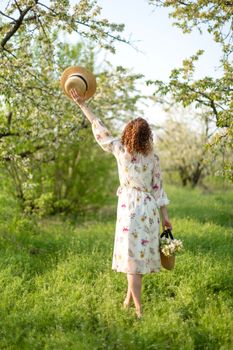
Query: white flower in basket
170	246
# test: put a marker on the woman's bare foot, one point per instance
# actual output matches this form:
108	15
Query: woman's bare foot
126	304
139	312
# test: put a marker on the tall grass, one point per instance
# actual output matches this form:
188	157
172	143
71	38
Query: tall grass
58	291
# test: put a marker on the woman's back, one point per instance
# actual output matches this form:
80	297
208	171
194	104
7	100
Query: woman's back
136	171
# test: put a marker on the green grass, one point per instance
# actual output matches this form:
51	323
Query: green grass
57	289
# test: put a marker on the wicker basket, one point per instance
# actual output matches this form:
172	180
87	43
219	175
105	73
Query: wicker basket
168	262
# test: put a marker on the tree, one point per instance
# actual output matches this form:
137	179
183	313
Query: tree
32	23
182	140
34	17
42	133
47	147
215	94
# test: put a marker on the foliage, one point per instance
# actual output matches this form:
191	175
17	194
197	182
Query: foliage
58	290
45	141
33	53
214	93
215	16
49	149
34	19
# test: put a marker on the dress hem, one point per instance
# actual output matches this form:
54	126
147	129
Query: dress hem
137	273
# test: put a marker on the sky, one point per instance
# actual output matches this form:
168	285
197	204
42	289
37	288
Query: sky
161	45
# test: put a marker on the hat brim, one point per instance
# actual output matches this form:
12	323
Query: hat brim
86	74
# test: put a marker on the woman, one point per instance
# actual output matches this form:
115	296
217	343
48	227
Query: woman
141	193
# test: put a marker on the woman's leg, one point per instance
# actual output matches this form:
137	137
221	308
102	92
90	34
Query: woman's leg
135	285
128	296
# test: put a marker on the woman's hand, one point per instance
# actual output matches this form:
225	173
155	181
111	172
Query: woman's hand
76	98
166	222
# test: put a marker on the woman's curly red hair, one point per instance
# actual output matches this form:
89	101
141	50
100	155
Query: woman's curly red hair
137	136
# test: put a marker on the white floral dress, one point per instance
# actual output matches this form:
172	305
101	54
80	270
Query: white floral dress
140	194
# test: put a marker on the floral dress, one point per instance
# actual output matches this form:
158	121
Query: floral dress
140	195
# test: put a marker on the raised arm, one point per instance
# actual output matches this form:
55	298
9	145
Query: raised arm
101	133
86	110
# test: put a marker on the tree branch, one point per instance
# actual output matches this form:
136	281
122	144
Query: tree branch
16	3
211	101
86	24
6	134
16	26
9	118
182	3
3	14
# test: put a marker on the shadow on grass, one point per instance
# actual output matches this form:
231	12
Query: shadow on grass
31	249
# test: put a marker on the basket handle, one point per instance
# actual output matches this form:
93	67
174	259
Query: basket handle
167	233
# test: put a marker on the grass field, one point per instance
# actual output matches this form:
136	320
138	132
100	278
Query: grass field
58	291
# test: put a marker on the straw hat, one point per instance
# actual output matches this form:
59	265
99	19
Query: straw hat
78	78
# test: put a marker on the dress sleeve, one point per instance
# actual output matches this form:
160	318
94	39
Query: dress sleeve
157	184
104	137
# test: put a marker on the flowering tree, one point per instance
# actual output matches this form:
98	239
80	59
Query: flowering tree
43	135
215	94
183	139
31	39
